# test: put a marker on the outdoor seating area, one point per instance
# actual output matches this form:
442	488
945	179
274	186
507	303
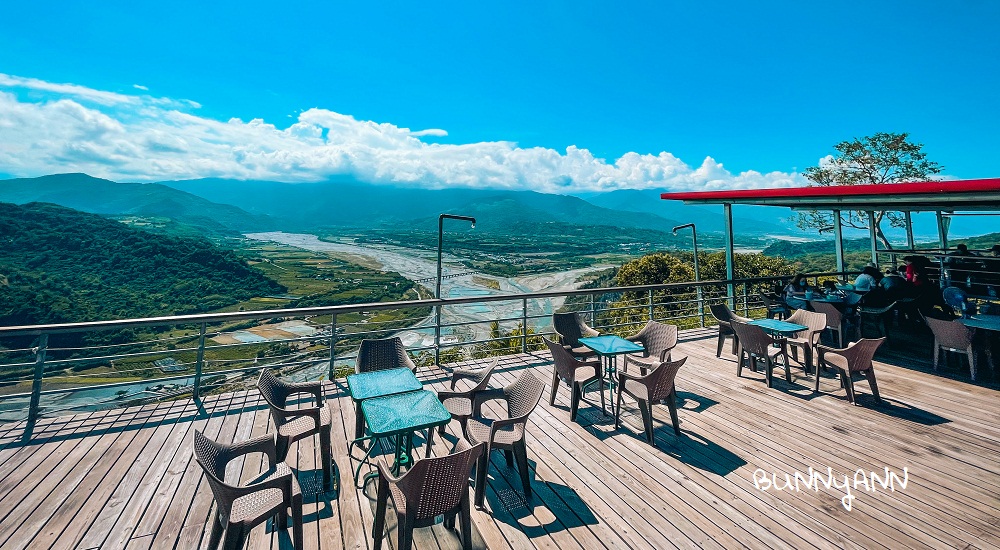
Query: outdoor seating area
714	476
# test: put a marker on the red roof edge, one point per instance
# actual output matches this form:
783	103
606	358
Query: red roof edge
914	188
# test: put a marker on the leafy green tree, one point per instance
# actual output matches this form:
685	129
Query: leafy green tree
883	158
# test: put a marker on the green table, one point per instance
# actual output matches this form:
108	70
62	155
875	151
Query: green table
398	416
609	348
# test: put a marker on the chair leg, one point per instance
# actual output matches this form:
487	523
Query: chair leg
430	442
736	345
672	405
972	362
234	538
739	364
325	446
574	401
722	341
769	365
509	457
555	387
281	447
845	378
381	502
647	419
870	375
809	358
359	422
819	370
481	465
788	368
449	520
937	354
297	522
521	454
405	537
600	385
618	410
466	519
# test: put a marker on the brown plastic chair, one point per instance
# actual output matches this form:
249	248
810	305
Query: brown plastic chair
295	424
658	339
953	336
656	386
776	307
834	319
505	434
874	317
806	339
374	355
565	367
239	508
724	316
571	327
856	357
459	403
430	488
759	345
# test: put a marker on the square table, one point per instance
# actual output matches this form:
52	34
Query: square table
400	415
371	385
778	328
608	348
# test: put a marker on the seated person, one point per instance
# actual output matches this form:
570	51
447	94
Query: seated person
894	284
867	279
794	292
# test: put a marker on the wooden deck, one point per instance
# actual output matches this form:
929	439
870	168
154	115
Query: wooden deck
125	478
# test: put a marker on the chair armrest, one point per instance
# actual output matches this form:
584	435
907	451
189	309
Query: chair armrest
446	394
665	354
315	388
282	482
497	425
408	363
385	471
481	397
589	332
262	444
623	376
313	412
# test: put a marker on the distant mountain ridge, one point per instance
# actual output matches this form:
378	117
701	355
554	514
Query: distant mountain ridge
105	197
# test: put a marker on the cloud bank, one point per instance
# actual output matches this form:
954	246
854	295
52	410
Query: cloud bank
49	128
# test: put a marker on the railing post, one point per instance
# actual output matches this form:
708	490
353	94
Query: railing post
437	334
524	325
650	304
746	300
199	365
593	311
701	305
333	345
36	385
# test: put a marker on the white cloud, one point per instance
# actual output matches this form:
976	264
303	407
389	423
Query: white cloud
140	87
143	138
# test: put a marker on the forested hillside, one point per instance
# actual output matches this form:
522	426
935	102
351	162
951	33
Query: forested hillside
61	265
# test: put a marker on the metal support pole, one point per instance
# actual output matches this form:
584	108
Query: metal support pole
199	365
746	299
437	288
650	304
871	234
730	255
437	335
333	346
838	239
943	222
593	311
524	325
36	385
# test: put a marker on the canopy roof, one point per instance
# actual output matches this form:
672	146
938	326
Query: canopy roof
979	194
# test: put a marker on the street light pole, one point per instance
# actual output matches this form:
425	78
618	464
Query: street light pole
437	291
697	272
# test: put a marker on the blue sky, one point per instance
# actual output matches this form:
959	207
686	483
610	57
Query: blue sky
566	90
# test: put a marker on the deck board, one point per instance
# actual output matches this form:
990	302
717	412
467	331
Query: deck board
125	478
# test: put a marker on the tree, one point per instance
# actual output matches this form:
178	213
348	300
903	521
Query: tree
884	158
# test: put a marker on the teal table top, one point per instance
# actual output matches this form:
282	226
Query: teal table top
368	385
611	345
780	327
404	412
985	322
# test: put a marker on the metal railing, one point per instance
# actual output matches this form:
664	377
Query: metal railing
207	353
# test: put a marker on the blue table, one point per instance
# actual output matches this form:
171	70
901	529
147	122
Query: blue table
609	348
778	328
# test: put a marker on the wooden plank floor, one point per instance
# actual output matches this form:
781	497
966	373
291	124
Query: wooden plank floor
125	478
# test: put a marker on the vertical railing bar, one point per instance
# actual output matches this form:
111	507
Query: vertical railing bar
524	325
650	304
36	385
333	346
199	365
437	334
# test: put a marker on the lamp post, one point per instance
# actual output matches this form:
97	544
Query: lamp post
437	291
697	272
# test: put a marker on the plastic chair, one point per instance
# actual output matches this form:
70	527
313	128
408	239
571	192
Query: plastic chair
658	339
874	317
651	388
565	367
807	339
430	488
239	508
459	403
505	434
953	336
374	355
757	345
856	357
571	327
295	424
834	319
724	316
776	307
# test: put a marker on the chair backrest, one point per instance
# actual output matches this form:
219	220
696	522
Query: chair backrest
859	354
660	382
833	315
523	395
382	354
721	312
562	360
950	334
275	393
213	457
433	486
480	378
815	321
657	338
752	338
571	328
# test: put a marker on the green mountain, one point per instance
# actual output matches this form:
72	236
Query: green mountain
147	200
60	265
